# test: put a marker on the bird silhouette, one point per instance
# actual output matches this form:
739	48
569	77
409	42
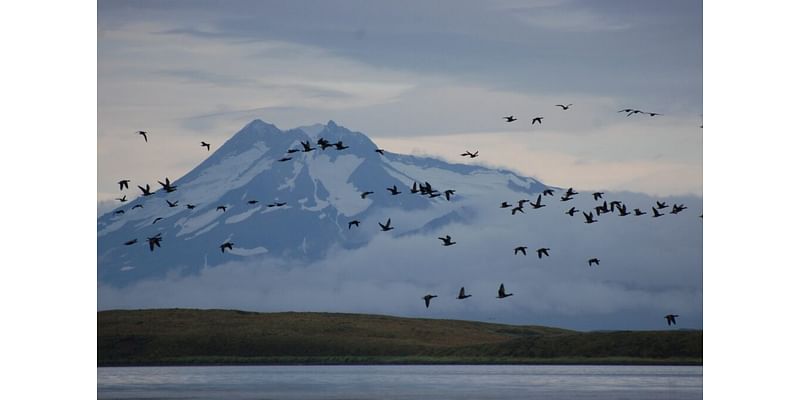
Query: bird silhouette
306	146
564	107
428	298
634	112
547	192
414	188
467	153
156	220
130	242
571	192
448	193
572	211
595	261
677	208
394	190
144	134
671	319
137	206
284	159
626	110
340	146
279	204
167	186
461	295
365	194
175	204
652	114
191	206
124	183
589	218
623	210
252	201
122	199
324	143
661	205
597	195
432	195
223	208
447	241
566	198
522	249
656	214
637	212
510	118
505	205
538	203
541	251
119	212
145	190
501	293
386	227
206	145
154	241
379	151
353	222
539	119
290	151
226	245
515	209
601	209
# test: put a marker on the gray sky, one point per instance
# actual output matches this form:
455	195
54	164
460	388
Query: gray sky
416	77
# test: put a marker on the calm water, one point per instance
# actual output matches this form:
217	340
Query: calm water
402	382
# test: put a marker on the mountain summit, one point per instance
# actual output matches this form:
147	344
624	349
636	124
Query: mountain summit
249	193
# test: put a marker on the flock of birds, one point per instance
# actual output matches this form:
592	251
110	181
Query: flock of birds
426	189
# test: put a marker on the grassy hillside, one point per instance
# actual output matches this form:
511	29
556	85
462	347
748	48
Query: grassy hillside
185	336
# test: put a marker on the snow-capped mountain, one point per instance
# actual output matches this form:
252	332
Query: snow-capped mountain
322	191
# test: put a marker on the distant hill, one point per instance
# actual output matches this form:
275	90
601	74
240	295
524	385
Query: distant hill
196	337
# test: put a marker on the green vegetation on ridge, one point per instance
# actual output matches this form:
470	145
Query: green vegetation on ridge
187	336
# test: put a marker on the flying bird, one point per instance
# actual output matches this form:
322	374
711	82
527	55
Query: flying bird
652	114
572	211
597	195
130	242
324	143
394	190
169	187
501	293
522	249
504	205
353	222
515	209
571	192
539	119
379	151
283	159
154	241
206	145
223	208
448	193
661	205
386	227
467	153
340	146
175	204
306	146
538	203
144	134
447	241
122	199
145	190
290	151
547	192
671	319
156	220
541	251
634	112
137	206
226	245
461	295
510	118
191	206
626	110
566	198
564	107
677	208
365	194
119	212
637	212
589	218
623	210
252	201
595	261
124	183
428	298
656	214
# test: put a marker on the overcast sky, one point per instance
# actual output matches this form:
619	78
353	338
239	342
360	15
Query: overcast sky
424	77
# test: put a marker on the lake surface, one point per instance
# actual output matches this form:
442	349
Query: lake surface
402	382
